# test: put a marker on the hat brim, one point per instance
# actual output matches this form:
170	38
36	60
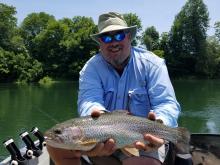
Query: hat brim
112	28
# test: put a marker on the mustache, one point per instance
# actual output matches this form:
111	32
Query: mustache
115	46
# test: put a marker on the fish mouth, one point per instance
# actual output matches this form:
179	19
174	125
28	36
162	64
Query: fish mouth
49	136
59	143
52	140
68	146
56	144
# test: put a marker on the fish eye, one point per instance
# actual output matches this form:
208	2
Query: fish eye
57	131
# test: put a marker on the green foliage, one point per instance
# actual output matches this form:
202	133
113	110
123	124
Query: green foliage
160	53
59	44
47	44
217	30
151	38
32	25
46	81
78	44
43	46
213	57
7	25
188	39
164	44
15	63
131	20
18	67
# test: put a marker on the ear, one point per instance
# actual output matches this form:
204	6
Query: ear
100	41
129	36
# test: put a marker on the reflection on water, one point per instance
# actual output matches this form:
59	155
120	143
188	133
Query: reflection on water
211	126
200	105
25	106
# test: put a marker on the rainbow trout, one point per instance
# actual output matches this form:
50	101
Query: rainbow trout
85	132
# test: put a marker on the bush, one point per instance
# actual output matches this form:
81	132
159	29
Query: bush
46	81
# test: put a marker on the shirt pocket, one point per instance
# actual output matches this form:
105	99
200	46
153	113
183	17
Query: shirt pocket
139	103
108	98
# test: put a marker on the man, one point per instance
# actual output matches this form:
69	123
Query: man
123	77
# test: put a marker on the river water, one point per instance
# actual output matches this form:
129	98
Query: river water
25	106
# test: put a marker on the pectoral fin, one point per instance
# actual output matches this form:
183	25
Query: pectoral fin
130	151
88	142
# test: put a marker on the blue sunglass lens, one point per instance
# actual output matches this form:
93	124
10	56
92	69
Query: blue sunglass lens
119	36
109	38
106	39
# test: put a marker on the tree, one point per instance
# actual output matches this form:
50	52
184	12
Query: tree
7	25
188	39
32	25
47	47
164	43
213	52
64	45
15	62
151	38
217	30
18	67
131	20
78	43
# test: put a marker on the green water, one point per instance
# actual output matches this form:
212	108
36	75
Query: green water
25	106
200	101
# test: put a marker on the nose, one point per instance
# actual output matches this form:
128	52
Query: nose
114	44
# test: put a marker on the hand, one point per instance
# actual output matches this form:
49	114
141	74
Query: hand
62	156
154	142
96	113
102	149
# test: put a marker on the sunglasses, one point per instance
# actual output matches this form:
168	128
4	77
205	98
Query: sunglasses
108	38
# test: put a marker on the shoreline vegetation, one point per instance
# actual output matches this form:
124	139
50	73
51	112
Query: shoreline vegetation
43	49
46	81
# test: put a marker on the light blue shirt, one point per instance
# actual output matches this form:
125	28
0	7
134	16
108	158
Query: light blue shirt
143	86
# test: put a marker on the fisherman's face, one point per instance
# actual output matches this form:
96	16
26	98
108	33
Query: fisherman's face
115	47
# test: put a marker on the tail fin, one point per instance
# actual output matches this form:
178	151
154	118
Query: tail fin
183	141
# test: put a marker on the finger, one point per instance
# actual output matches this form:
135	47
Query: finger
153	140
148	147
139	145
96	151
109	147
96	113
152	116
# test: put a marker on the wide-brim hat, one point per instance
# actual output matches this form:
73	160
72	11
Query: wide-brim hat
113	21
